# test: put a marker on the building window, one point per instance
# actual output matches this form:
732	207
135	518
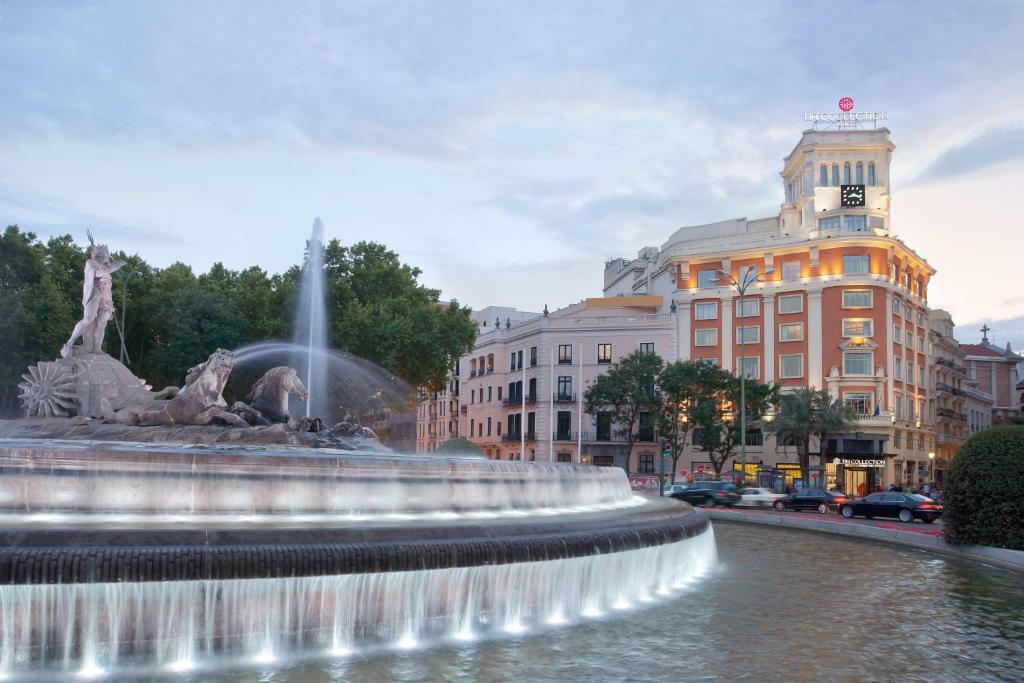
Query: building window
791	367
897	333
791	332
750	367
565	354
823	176
791	303
861	403
488	426
855	223
533	356
746	308
497	428
499	392
565	388
857	362
472	396
489	393
846	174
707	279
897	369
647	347
564	457
705	337
910	340
921	377
604	353
920	344
604	426
871	173
920	319
748	335
746	274
857	327
829	223
835	175
790	270
897	439
857	298
897	304
899	407
472	426
646	464
856	264
706	310
860	172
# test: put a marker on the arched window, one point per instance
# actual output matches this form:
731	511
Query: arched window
846	174
860	173
835	175
871	173
823	179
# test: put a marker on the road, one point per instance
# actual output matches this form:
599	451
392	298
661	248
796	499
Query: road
934	529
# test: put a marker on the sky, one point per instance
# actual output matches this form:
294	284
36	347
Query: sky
506	148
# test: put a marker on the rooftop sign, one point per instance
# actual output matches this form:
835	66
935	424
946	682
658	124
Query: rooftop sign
846	117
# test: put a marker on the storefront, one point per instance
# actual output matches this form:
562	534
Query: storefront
856	476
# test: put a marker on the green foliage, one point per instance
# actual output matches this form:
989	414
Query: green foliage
628	389
807	413
982	498
173	319
684	386
459	445
716	411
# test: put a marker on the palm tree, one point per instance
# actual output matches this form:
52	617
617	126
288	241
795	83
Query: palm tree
795	422
805	413
832	416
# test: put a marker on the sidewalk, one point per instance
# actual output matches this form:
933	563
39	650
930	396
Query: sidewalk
916	535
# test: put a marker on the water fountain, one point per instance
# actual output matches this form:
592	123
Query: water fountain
311	327
166	551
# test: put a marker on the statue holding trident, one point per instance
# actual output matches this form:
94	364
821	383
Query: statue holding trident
97	301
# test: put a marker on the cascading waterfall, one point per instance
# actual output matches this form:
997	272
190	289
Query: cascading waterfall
181	625
311	328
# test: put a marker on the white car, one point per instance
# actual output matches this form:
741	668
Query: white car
758	498
673	488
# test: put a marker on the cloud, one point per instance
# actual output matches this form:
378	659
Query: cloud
47	214
1002	330
992	147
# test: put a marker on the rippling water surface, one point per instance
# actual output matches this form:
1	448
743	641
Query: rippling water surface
783	606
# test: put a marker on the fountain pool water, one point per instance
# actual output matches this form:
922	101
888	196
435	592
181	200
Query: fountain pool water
119	558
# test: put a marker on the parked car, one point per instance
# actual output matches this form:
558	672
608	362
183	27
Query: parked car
758	497
906	507
709	493
673	488
812	499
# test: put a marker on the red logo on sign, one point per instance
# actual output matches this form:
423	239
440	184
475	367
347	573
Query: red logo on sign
846	104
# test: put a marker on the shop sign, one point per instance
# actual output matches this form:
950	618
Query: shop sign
859	462
846	117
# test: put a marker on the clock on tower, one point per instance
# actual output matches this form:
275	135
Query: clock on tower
851	195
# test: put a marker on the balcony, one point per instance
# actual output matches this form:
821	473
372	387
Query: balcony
513	402
472	373
565	436
883	418
948	438
948	388
951	364
516	438
951	414
563	398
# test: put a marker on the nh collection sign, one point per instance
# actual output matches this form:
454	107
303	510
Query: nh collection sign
846	118
859	462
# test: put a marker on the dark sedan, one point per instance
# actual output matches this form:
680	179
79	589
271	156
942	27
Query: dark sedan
906	507
709	493
812	499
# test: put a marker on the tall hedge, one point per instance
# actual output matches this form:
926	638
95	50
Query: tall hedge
984	493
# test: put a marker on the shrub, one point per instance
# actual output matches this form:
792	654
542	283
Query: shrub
983	494
459	445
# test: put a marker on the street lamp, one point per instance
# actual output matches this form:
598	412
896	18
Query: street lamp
931	461
748	276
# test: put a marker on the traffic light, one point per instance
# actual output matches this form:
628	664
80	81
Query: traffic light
666	450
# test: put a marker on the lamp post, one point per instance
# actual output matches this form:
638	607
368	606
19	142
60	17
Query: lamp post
748	276
931	466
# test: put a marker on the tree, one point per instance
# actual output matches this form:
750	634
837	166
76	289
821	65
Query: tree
684	385
202	322
459	445
628	390
717	413
806	413
981	494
